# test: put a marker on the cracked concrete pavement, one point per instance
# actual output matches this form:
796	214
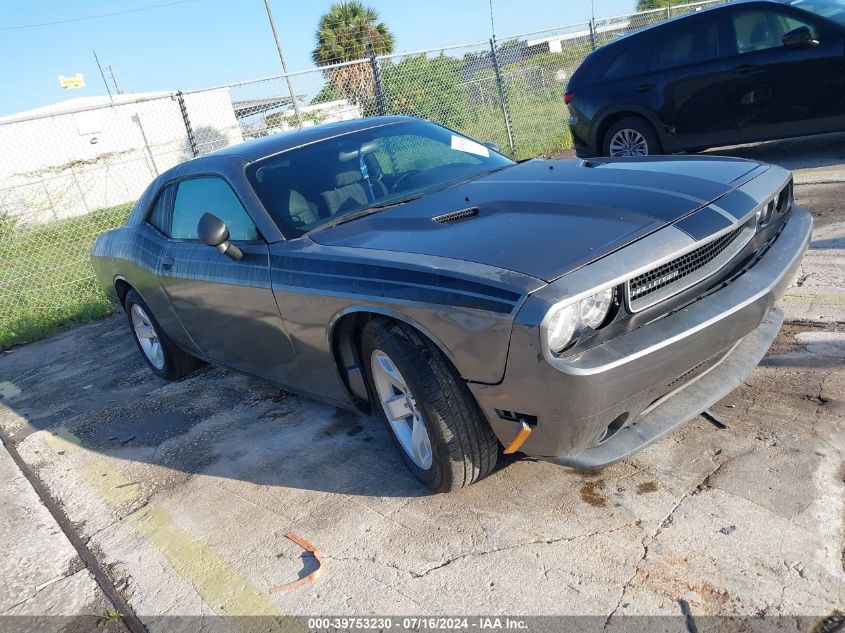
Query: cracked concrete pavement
185	491
41	571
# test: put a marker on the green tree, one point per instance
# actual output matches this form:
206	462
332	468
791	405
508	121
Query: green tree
327	93
426	87
347	32
350	31
648	5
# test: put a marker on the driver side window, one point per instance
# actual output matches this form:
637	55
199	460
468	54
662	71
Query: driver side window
760	29
209	194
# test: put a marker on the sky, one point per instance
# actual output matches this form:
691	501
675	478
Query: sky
200	43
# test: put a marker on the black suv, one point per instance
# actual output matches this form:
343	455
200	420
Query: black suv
736	73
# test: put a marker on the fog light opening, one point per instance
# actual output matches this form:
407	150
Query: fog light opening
614	427
783	200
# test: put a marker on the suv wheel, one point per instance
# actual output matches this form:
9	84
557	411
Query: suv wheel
631	136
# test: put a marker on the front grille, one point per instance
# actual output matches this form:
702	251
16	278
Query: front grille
687	270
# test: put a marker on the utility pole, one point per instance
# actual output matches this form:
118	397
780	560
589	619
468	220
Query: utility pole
103	75
114	79
284	63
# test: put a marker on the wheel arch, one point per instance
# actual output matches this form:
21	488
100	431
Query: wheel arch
344	338
122	288
621	112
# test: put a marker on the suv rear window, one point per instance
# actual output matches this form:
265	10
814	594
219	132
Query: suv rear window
626	61
691	41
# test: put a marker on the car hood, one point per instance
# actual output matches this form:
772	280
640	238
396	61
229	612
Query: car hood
546	218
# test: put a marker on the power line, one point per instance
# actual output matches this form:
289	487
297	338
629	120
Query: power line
95	16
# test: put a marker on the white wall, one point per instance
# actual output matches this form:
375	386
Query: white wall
69	164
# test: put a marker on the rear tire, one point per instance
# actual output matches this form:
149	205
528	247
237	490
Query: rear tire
631	136
162	356
463	448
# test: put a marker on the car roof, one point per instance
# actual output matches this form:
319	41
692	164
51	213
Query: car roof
267	146
235	157
686	16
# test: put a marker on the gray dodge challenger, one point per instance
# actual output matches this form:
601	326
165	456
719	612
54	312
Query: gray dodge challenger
575	311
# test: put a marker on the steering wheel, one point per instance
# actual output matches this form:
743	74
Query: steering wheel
401	180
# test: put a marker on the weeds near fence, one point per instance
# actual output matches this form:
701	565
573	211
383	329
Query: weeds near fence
46	274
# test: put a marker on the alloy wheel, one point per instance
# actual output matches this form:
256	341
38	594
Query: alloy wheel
147	336
401	410
628	142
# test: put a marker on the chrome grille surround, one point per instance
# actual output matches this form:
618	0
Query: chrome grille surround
675	276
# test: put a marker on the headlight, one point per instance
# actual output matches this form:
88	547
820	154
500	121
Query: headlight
565	323
594	309
562	326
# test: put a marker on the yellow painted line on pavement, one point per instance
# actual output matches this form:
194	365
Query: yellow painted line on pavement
213	578
113	488
61	439
219	584
827	298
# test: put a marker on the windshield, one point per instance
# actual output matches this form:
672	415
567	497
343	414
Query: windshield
830	9
316	185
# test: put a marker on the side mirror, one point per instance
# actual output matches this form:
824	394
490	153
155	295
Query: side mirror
213	231
491	145
802	37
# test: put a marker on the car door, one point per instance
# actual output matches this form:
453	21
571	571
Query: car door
227	307
687	70
778	90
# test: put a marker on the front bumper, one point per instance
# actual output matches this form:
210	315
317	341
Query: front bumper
649	381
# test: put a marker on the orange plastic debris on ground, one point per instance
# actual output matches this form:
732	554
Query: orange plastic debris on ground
305	579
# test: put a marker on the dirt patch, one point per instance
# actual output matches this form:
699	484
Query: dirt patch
825	200
647	487
787	343
711	594
591	493
345	422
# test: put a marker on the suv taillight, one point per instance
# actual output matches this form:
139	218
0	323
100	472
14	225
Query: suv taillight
568	97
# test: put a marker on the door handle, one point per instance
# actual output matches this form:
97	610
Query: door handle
744	69
645	87
167	262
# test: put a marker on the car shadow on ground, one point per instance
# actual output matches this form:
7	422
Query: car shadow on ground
806	152
90	384
837	243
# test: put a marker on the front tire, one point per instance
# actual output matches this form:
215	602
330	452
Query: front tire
631	136
428	409
160	353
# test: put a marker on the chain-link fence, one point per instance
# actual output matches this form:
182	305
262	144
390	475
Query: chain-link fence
72	170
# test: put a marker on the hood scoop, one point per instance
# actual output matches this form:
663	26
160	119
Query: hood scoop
456	216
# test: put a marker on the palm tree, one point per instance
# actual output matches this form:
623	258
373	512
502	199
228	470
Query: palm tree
347	32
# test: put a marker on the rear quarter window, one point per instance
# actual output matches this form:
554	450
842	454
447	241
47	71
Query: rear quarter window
161	213
685	43
626	61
